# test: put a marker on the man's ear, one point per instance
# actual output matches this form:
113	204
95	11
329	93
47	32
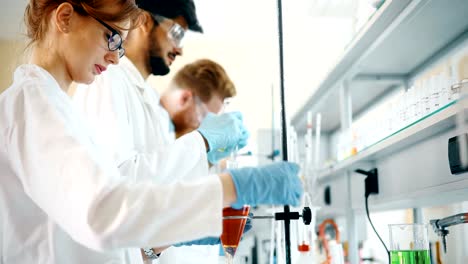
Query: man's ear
63	17
147	22
186	97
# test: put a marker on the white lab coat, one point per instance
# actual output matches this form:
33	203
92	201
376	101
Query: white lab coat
126	112
63	201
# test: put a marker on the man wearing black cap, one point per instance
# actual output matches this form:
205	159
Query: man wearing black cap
155	50
126	115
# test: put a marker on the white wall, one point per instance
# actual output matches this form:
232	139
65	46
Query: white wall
11	55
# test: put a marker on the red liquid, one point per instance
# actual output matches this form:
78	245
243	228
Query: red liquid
303	247
233	228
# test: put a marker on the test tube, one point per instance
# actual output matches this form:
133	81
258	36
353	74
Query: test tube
308	140
426	97
232	163
437	86
318	123
309	174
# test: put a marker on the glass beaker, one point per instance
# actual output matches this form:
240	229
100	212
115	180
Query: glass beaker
234	221
409	244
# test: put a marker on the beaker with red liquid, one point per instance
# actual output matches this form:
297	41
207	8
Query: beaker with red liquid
234	221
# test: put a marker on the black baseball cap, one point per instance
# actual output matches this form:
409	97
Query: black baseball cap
173	9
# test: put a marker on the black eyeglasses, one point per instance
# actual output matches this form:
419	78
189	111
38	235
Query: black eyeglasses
115	40
175	32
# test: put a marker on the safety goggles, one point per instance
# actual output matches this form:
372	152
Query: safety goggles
115	41
175	32
225	106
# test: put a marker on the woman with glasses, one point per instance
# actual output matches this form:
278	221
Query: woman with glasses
62	199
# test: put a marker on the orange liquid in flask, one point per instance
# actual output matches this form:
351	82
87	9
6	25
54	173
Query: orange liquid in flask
233	227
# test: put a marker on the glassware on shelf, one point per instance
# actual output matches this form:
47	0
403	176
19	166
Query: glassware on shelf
411	101
418	101
464	86
435	92
444	82
426	97
455	90
409	244
234	221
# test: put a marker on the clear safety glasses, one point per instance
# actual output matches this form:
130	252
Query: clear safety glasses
175	32
225	106
115	41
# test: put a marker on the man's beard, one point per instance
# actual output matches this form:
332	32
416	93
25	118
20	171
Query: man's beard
156	62
158	65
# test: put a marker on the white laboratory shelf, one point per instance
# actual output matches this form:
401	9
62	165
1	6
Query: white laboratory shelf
403	38
362	93
439	121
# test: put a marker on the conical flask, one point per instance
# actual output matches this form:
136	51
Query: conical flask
234	221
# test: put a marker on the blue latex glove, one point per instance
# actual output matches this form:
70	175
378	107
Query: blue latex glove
215	156
214	240
273	184
223	133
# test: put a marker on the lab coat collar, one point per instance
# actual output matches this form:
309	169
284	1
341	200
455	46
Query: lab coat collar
134	74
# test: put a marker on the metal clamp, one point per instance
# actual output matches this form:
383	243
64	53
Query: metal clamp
306	216
440	225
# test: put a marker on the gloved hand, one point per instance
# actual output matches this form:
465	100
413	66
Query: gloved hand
274	184
215	156
223	133
214	240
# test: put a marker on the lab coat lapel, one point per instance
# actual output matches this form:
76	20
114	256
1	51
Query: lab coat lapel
141	84
151	99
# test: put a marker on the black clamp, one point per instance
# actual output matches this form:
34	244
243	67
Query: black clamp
306	216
